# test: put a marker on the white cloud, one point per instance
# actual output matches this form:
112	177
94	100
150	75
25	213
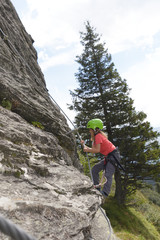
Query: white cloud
55	60
53	23
124	25
144	80
131	23
66	57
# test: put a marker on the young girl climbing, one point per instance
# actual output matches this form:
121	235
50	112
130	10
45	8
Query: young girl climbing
102	145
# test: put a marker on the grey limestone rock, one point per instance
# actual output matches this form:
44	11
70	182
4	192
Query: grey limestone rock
40	188
22	82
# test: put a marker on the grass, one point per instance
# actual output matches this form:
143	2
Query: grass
139	219
130	222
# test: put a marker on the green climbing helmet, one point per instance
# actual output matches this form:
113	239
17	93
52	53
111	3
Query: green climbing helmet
95	123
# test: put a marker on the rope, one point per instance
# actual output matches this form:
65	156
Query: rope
107	219
109	224
89	166
5	37
101	184
10	229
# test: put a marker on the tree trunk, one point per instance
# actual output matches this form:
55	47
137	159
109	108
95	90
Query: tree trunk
120	193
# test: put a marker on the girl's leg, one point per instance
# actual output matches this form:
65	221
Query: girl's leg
110	169
95	171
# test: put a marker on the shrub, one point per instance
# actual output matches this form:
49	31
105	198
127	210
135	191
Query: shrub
6	104
38	125
152	195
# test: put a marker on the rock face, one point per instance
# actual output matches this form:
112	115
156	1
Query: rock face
43	189
22	82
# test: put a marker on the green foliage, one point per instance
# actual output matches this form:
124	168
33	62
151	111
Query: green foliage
6	104
136	221
17	174
38	125
152	195
103	94
149	206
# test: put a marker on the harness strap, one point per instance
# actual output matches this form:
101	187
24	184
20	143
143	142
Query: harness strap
117	161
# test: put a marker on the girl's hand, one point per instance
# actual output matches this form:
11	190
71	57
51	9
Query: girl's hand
82	142
85	149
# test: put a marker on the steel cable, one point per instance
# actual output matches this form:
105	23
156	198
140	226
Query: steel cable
10	229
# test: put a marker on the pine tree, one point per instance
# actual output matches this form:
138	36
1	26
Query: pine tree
103	94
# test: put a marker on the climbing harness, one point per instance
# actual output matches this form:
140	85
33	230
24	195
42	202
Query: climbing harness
5	225
116	163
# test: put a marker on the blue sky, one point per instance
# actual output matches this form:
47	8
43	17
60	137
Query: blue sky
130	28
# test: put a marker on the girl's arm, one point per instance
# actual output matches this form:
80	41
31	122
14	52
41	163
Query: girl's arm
95	148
